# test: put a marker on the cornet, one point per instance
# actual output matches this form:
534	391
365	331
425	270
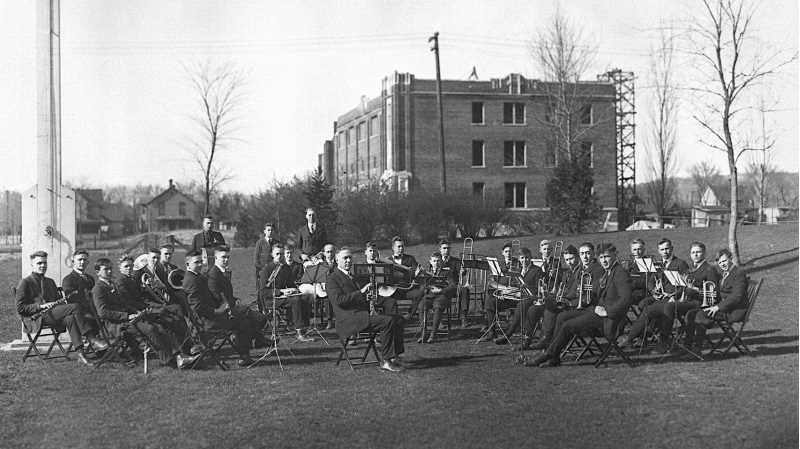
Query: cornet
584	290
709	294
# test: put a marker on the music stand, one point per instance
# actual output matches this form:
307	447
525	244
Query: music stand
494	267
314	276
273	348
374	273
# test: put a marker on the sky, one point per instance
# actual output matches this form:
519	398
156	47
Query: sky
126	100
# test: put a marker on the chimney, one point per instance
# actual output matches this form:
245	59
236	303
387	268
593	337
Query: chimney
171	185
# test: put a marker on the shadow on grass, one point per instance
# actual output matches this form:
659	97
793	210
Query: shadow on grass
778	263
438	362
765	256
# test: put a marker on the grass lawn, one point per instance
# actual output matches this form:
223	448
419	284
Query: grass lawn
454	394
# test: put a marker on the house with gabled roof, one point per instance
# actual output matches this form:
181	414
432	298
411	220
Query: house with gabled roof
169	210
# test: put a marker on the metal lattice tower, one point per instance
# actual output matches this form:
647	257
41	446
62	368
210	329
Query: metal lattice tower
626	143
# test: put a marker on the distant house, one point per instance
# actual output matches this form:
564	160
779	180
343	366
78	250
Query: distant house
714	207
169	210
88	210
119	219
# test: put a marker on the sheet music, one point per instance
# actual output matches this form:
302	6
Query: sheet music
674	278
645	264
494	266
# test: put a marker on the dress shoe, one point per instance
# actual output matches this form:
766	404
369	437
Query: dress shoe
97	344
501	340
663	344
303	339
541	344
82	358
245	361
391	367
539	359
330	325
185	361
623	341
196	349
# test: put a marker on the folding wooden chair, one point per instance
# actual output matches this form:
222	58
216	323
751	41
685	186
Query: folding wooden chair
43	331
580	345
611	345
369	338
210	341
730	332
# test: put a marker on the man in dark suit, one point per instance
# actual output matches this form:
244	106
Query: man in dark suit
439	293
296	267
78	283
614	299
263	252
277	276
204	242
212	312
454	265
37	300
406	268
311	237
491	305
352	312
530	275
732	305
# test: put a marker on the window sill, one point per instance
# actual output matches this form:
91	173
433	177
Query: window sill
478	124
477	166
514	124
515	166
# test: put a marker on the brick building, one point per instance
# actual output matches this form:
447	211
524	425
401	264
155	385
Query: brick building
497	138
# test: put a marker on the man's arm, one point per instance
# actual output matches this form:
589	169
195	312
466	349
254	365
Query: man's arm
339	296
216	286
617	307
101	297
737	294
26	304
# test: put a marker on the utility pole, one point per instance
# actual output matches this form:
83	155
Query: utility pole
435	50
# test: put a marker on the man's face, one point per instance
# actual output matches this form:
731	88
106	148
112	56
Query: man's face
194	264
80	261
665	249
277	254
586	255
445	250
327	251
398	247
268	231
570	260
544	249
436	263
104	272
524	259
370	253
222	258
166	255
126	267
208	224
507	253
311	216
39	265
637	250
724	263
697	254
607	258
153	259
344	260
287	255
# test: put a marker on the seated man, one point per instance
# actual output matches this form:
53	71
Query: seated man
409	267
661	288
277	276
614	299
491	304
78	283
128	320
530	275
352	312
38	304
213	313
296	267
438	294
641	282
455	267
388	303
312	283
732	301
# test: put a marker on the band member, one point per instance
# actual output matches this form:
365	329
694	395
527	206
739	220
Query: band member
314	277
352	312
154	280
276	276
328	264
455	267
388	303
78	280
662	288
439	294
165	265
409	268
491	304
297	268
128	321
263	253
732	303
614	299
213	313
639	280
508	262
530	275
38	304
311	237
546	253
205	241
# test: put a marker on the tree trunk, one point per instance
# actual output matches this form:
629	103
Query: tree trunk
733	242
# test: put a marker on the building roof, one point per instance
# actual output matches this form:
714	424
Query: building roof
91	195
169	192
117	212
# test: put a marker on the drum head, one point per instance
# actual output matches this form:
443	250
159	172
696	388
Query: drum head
386	291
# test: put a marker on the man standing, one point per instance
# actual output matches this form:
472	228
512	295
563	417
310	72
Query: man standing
263	253
311	237
38	304
352	312
204	242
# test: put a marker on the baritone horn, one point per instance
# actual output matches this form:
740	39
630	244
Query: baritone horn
175	278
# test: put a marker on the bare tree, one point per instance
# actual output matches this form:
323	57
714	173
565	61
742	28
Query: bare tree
704	174
760	168
731	67
218	89
662	158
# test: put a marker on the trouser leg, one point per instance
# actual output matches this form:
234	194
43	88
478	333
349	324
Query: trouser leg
573	326
390	328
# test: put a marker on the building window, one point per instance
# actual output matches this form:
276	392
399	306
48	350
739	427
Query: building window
550	158
373	126
477	113
515	195
162	209
586	115
478	189
477	154
587	150
514	113
548	113
348	136
182	209
362	131
514	153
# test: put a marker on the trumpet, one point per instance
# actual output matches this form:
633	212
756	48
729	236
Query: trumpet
709	294
584	290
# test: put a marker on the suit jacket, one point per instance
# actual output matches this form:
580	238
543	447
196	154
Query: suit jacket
349	305
32	291
199	296
675	264
402	275
219	285
131	292
733	291
109	303
297	272
616	294
705	272
283	279
82	284
263	253
449	289
310	244
506	267
209	242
